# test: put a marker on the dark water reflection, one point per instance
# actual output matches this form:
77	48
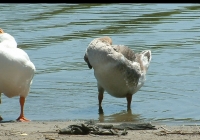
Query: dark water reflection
123	116
56	35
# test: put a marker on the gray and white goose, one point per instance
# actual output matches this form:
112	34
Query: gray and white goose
118	69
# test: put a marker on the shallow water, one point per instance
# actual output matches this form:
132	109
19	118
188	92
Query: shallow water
55	37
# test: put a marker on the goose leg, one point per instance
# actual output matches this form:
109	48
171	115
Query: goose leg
21	118
0	103
129	99
100	98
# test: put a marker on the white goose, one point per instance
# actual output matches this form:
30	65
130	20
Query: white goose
16	71
117	69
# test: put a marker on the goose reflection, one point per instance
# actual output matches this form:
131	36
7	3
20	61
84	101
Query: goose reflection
123	116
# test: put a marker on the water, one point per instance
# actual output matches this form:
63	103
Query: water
55	37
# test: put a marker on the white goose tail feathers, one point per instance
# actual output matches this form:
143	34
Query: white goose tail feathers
145	58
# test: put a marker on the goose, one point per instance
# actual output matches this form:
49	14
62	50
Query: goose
17	71
118	69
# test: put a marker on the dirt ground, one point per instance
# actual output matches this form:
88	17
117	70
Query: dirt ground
48	130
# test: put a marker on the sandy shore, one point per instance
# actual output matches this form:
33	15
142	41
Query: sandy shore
48	130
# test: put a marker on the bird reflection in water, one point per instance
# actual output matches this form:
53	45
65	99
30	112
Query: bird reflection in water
124	116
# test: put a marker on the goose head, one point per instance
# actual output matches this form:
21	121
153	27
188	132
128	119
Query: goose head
7	40
106	39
